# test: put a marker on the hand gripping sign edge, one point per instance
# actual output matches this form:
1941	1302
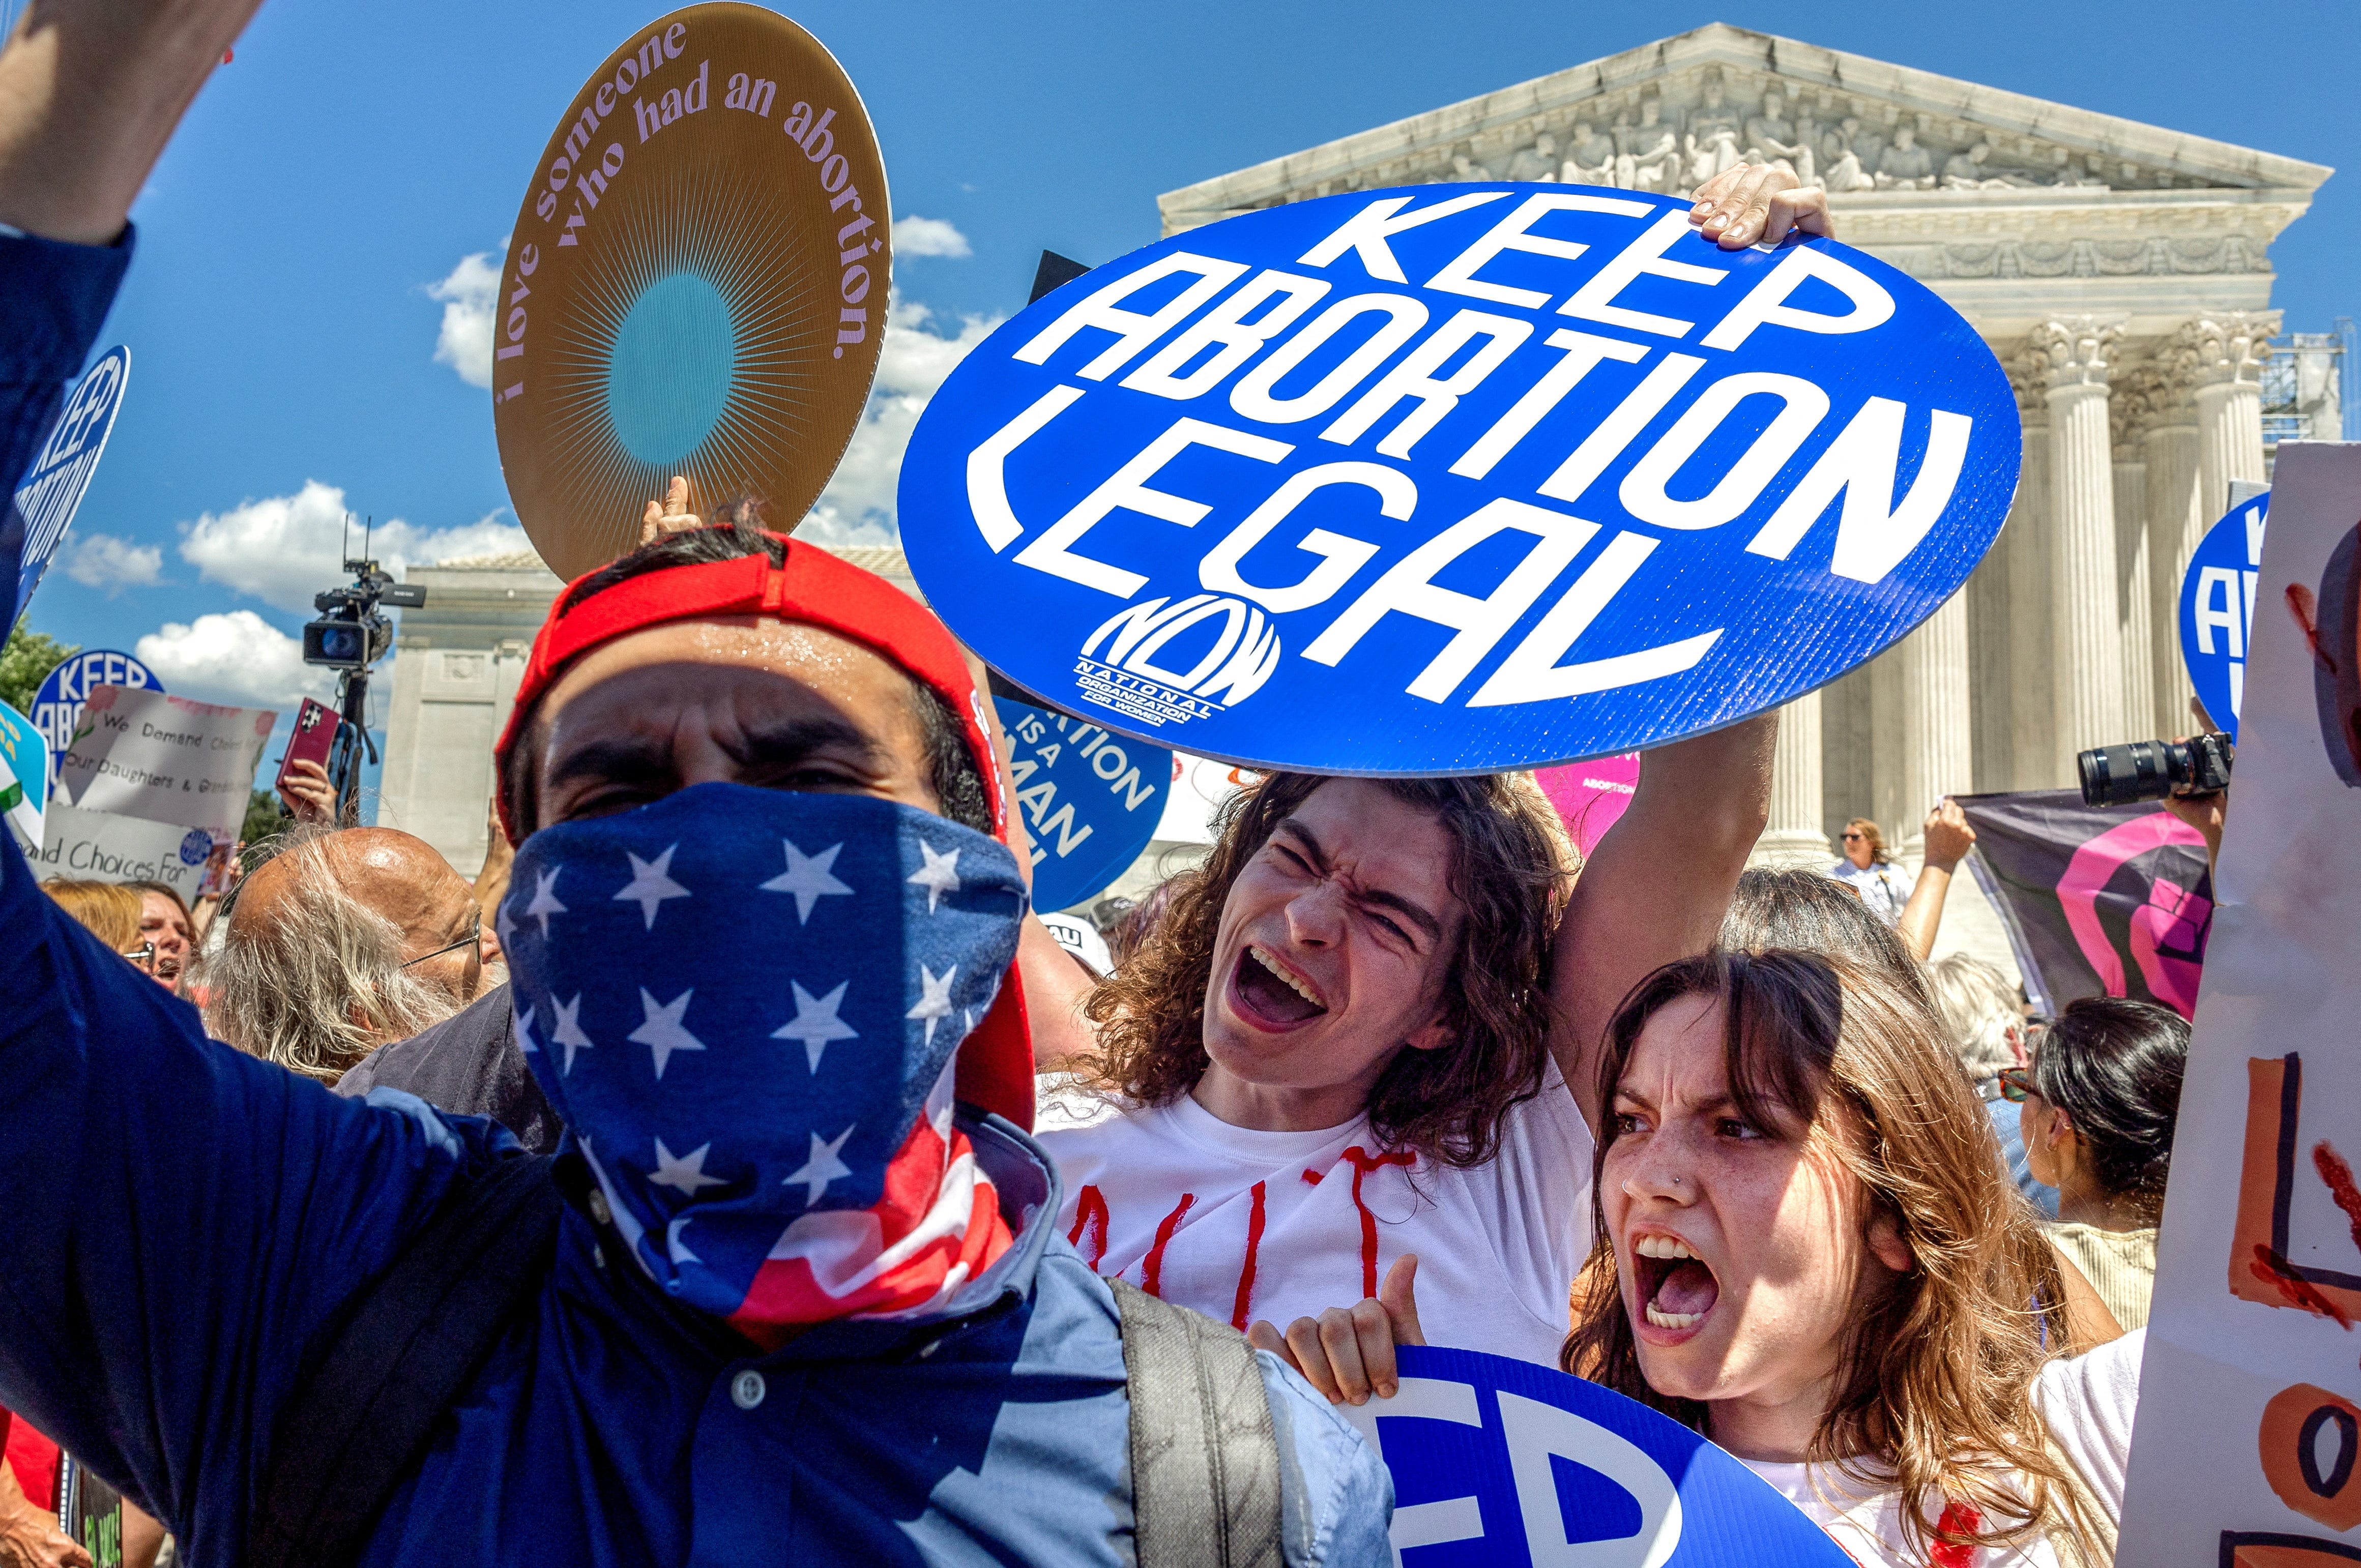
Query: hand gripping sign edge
1518	514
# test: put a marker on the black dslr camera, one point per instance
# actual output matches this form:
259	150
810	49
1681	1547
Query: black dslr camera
351	634
2151	770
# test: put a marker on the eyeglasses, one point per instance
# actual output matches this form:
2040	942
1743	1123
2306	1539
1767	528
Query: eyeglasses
2016	1083
475	935
1850	838
142	957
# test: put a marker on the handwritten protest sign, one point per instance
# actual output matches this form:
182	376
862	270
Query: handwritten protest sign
1090	801
2249	1423
167	759
23	773
2217	609
695	285
57	705
1460	478
97	846
51	493
1500	1461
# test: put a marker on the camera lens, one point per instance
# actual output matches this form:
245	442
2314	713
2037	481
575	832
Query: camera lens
341	642
2141	770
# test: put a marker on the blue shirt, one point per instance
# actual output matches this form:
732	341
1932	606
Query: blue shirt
179	1221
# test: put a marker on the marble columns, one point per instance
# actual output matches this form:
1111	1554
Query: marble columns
2026	539
2128	405
2174	527
2229	352
1937	737
2085	635
1793	835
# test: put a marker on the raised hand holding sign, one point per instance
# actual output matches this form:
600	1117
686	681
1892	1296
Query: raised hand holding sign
1460	478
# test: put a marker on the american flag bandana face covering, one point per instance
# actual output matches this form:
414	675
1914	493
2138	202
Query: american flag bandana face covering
744	1002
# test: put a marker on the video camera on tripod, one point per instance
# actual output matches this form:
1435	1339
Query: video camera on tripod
350	635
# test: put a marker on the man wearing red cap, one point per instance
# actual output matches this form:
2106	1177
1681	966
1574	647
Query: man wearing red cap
805	1300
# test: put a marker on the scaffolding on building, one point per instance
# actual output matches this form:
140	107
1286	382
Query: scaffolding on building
2308	386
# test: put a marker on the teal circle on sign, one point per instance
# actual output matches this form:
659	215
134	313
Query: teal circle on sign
668	373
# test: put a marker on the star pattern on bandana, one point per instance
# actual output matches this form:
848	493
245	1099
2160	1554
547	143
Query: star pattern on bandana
809	877
822	1167
662	1032
651	884
524	1030
816	1022
934	999
939	876
544	900
684	1174
568	1033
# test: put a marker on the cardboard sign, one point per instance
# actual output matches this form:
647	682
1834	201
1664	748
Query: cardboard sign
167	759
2217	610
95	846
1590	796
696	284
2249	1421
57	705
23	773
1455	480
1090	801
2097	900
44	505
1499	1461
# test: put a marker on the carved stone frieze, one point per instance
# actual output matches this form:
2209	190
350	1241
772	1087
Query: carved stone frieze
2075	351
2230	347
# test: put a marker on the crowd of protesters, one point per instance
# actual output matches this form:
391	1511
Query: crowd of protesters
1390	1065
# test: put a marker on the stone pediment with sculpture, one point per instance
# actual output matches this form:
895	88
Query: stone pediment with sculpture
1673	132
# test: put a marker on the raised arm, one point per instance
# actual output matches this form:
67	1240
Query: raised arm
1656	887
1947	838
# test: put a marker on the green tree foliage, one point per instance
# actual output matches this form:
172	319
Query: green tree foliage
262	816
26	662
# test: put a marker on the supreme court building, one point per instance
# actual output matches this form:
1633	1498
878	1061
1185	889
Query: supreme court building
2120	271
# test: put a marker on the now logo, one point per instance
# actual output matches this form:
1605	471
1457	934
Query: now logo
1232	667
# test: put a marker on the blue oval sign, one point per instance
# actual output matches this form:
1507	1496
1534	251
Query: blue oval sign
2217	609
1499	1461
51	491
57	705
1455	480
1091	801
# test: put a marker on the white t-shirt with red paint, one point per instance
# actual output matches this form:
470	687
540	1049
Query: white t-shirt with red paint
1241	1224
2088	1402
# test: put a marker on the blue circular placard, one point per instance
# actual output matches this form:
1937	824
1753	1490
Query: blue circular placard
2217	609
1456	479
668	373
1497	1461
57	705
1090	800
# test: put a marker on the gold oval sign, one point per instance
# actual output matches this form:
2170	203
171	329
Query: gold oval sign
696	284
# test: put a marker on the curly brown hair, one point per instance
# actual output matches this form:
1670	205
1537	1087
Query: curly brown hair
1936	1395
1510	872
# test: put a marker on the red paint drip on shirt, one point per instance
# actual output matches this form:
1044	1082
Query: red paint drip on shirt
1247	1274
1362	1163
1152	1271
1312	1178
1091	1218
1958	1520
2339	1176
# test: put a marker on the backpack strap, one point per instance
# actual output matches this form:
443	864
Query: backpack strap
409	1343
1204	1457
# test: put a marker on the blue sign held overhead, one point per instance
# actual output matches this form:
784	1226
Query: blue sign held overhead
1498	1463
1090	801
57	705
45	503
2217	609
1455	479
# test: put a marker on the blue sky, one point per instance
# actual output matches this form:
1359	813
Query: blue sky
308	232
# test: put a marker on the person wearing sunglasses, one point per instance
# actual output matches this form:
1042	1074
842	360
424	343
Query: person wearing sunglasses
2097	1106
1882	882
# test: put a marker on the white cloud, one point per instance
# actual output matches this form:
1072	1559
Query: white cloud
284	548
925	236
857	507
103	561
470	296
238	658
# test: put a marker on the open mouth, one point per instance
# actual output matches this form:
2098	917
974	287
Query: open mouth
1676	1289
1270	993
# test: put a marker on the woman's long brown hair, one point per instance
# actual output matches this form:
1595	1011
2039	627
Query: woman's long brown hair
1447	1104
1935	1392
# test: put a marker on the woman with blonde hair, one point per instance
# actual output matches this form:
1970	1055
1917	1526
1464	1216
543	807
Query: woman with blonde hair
1882	882
109	911
1806	1251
